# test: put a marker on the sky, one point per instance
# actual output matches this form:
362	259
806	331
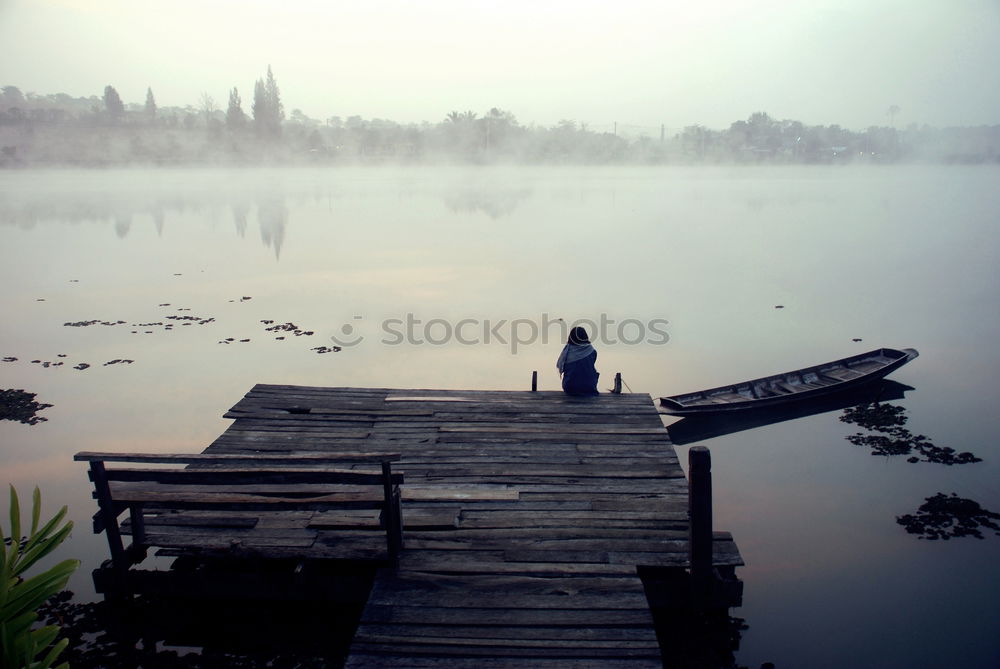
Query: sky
633	63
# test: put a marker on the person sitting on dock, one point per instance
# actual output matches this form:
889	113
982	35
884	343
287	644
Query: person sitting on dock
576	364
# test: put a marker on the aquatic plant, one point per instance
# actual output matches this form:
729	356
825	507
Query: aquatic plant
23	644
946	516
20	406
887	436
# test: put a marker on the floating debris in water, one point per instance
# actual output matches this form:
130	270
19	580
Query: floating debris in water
178	274
10	358
887	436
242	299
288	327
74	281
326	349
779	306
82	366
118	361
40	299
856	339
193	319
21	406
60	355
165	304
946	516
84	324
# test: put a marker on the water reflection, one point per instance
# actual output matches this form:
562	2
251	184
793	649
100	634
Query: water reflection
272	215
495	203
175	632
939	517
124	207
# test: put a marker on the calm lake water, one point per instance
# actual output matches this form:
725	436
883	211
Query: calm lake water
898	257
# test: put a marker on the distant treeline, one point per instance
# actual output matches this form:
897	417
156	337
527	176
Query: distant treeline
58	129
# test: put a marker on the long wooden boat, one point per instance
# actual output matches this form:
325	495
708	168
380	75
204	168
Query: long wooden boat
801	384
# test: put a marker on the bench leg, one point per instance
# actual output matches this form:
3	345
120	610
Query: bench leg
393	514
119	556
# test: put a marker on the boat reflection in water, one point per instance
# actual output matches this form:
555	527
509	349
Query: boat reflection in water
941	516
701	428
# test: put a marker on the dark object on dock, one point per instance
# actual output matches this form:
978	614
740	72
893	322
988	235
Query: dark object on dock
240	506
801	384
698	427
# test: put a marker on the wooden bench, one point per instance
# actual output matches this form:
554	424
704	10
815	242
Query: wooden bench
248	505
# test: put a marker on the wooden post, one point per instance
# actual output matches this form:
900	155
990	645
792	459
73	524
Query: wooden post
700	514
391	512
617	390
534	381
108	515
137	551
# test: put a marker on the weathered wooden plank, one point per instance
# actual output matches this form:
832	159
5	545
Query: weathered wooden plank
582	524
481	633
443	615
501	645
650	537
572	429
558	549
526	471
251	477
451	493
291	458
493	562
466	650
384	659
237	501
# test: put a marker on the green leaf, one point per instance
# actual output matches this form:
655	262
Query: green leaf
31	593
54	653
20	645
36	509
15	518
43	533
36	553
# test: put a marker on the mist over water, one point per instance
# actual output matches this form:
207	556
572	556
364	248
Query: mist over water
194	261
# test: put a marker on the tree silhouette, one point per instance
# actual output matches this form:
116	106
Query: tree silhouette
235	118
268	113
892	111
208	108
113	103
275	110
259	108
150	105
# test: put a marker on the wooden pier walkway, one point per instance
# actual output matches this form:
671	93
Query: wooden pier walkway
525	515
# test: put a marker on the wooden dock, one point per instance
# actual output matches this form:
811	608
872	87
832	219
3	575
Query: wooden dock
525	515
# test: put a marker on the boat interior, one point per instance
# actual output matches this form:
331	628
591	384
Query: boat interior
791	382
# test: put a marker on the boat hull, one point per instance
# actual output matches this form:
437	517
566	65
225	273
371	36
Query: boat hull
798	385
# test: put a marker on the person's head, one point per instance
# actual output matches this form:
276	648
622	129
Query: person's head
578	336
